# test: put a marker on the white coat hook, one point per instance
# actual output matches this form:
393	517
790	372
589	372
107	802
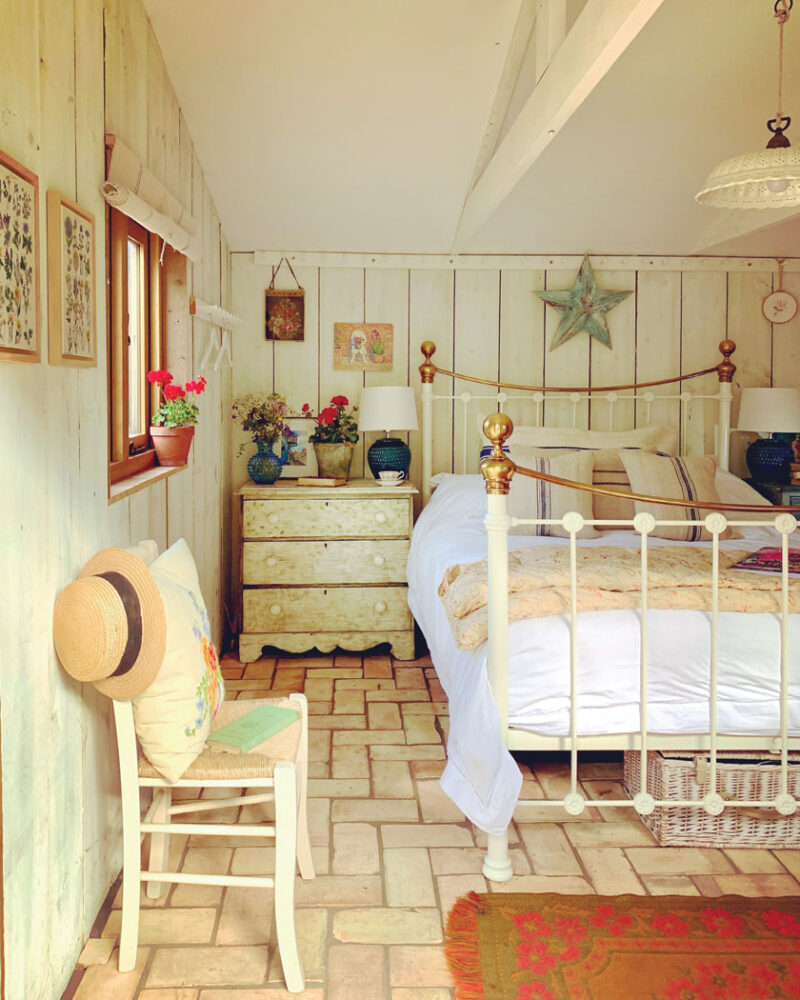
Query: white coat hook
213	347
224	350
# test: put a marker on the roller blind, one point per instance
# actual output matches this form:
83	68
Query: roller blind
136	192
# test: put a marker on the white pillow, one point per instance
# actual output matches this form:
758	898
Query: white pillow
531	497
173	716
654	437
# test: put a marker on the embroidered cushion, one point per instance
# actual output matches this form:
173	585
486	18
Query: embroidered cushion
690	479
537	498
173	716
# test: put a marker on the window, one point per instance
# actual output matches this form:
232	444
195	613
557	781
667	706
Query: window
135	345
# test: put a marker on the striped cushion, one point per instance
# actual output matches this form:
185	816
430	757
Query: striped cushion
690	479
537	498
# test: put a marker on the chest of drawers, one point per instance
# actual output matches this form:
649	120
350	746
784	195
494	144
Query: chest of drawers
324	567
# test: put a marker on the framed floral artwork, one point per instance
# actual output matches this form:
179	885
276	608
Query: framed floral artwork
364	347
19	262
301	460
70	282
285	314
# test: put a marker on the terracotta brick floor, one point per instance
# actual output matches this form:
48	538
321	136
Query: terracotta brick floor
392	853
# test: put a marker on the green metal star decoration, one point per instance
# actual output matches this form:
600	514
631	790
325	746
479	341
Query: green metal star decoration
583	308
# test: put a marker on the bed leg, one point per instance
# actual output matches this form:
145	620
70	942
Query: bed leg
497	864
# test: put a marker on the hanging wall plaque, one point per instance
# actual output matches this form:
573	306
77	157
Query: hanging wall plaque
285	309
779	306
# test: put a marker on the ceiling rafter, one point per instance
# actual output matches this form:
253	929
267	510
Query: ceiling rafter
602	32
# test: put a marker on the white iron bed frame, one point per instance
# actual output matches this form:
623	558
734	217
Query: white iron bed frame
498	470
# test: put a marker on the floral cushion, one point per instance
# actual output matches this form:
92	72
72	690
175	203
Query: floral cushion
173	716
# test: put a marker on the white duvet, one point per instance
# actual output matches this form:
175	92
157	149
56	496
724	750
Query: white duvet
480	776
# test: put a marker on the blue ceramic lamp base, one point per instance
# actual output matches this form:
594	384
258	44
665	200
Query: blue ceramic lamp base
389	455
769	460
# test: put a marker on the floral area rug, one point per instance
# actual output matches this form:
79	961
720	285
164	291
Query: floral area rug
522	946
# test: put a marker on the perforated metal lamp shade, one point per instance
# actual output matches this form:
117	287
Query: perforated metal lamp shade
388	408
770	411
742	181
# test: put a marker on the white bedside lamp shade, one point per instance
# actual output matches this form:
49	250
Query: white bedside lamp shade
387	408
769	411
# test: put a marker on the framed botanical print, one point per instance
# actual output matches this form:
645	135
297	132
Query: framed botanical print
70	282
20	324
301	460
284	314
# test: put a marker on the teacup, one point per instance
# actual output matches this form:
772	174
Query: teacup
389	476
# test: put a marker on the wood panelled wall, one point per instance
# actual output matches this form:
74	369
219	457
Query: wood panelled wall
487	321
70	72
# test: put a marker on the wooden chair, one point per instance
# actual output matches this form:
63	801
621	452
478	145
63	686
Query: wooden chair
279	774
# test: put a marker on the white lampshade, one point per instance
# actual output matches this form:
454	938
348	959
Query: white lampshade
767	178
387	408
769	410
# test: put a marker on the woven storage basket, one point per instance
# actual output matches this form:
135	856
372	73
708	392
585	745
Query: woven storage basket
740	776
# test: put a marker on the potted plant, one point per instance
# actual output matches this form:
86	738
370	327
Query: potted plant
263	417
172	428
334	437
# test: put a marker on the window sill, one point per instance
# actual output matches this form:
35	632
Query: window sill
140	481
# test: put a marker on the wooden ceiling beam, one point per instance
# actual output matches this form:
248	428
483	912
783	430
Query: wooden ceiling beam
602	32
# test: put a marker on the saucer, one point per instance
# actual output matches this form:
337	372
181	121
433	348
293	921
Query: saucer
394	482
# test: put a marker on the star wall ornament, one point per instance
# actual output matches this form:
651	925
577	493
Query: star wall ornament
583	308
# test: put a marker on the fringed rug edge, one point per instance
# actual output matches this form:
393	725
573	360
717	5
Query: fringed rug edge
461	947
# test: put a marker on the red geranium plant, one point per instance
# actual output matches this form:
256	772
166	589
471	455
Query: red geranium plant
336	424
179	407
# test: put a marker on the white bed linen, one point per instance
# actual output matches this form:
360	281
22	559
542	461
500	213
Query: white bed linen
480	775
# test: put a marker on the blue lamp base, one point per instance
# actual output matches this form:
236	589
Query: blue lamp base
389	455
769	460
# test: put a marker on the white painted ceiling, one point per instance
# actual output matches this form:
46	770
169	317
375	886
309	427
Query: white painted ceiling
355	125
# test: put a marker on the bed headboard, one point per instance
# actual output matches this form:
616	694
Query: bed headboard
640	394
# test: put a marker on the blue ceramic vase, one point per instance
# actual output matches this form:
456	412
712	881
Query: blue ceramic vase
264	467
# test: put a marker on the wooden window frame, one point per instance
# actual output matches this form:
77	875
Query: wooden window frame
122	463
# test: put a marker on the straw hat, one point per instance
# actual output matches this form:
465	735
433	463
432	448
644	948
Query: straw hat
109	626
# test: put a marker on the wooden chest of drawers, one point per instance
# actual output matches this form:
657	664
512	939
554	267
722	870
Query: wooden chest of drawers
324	567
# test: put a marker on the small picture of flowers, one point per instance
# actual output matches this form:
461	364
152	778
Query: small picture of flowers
285	314
71	282
366	347
19	262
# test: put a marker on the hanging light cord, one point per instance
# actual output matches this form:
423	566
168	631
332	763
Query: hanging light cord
782	9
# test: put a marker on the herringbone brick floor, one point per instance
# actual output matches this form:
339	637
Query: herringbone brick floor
392	853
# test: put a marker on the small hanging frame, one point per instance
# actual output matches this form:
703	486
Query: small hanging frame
779	306
284	314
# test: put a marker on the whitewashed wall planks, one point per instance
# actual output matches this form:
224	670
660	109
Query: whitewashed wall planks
61	834
487	321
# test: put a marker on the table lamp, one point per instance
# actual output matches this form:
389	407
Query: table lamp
388	408
770	411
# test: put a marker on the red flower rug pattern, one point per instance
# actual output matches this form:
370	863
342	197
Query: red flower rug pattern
521	946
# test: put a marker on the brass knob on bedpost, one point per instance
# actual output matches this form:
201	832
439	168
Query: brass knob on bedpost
427	369
726	368
498	469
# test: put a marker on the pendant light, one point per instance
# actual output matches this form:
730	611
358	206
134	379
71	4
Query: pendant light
769	178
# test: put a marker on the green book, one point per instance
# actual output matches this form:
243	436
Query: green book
252	728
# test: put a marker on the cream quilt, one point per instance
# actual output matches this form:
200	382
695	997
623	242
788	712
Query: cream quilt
609	578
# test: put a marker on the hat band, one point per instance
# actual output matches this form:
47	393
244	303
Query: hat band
133	612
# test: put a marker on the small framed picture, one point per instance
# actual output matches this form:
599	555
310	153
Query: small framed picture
19	276
301	461
71	282
285	314
363	347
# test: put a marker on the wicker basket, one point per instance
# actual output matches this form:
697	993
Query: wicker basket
740	775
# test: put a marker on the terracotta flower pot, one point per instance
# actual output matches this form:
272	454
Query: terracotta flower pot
172	444
334	457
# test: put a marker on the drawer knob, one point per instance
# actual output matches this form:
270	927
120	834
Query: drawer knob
273	518
380	607
380	517
271	561
275	609
378	560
